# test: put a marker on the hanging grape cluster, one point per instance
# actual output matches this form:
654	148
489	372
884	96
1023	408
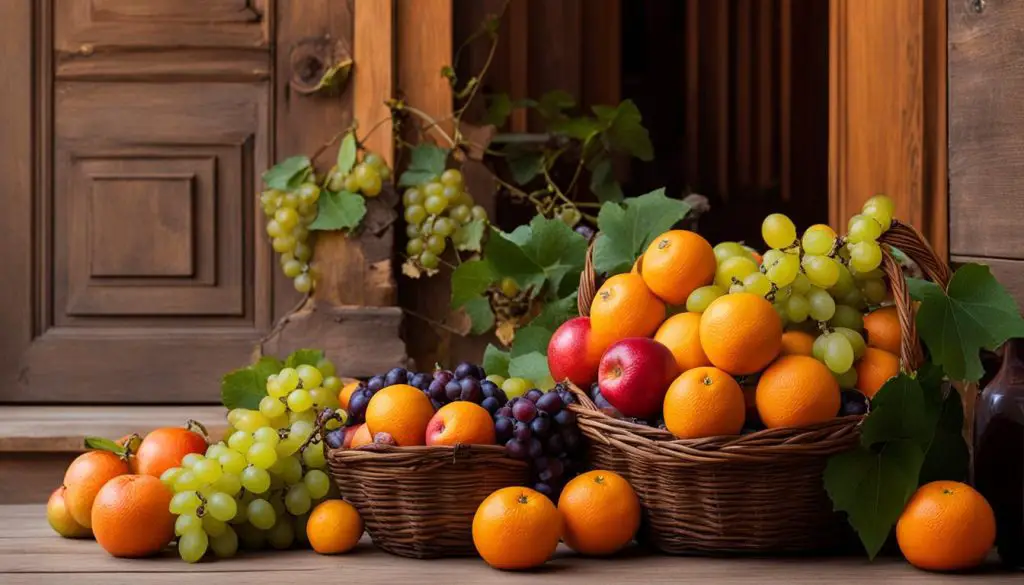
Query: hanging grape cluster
435	214
367	177
288	217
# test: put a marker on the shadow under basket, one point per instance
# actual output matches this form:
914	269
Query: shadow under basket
419	502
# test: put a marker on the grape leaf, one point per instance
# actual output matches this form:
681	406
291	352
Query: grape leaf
426	163
242	388
499	107
472	235
582	129
508	259
531	339
470	280
339	211
104	444
872	486
627	230
524	164
496	361
347	154
481	317
288	174
603	183
946	456
625	131
556	312
545	251
902	410
553	103
299	357
974	312
533	366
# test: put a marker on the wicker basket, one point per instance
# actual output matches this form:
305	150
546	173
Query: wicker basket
756	493
419	502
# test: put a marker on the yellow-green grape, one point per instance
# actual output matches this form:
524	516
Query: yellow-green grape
726	250
735	267
261	455
844	284
271	407
326	367
478	212
414	246
847	316
451	194
303	283
274	229
232	462
301	233
783	294
443	227
185	502
737	287
240	441
757	284
336	182
261	514
282	244
373	187
863	229
415	214
435	204
317	482
846	380
429	260
427	228
865	256
451	178
822	271
280	422
772	256
508	287
170	476
797	308
778	231
309	376
275	388
818	348
874	290
780	310
882	202
302	251
187	523
308	416
433	189
307	192
225	545
292	268
855	339
291	199
497	379
879	214
289	379
461	213
784	270
300	400
569	215
251	421
435	244
459	236
516	387
702	296
822	306
192	546
374	160
281	535
869	274
801	284
313	457
854	299
838	354
818	240
412	196
323	398
187	480
351	183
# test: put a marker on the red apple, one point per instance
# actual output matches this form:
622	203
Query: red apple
635	374
572	354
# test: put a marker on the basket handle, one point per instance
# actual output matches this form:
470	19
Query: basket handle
588	282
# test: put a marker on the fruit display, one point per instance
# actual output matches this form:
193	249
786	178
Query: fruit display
437	212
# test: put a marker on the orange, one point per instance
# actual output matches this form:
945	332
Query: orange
681	335
84	478
461	422
164	448
796	391
676	263
704	402
130	517
624	307
600	513
740	333
797	343
360	437
516	528
874	369
60	518
334	526
946	526
883	329
346	393
401	410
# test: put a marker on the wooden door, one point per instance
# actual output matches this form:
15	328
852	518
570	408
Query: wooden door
135	132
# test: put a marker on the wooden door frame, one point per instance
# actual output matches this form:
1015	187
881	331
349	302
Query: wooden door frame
887	111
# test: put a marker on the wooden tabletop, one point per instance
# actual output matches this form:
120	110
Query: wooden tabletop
31	553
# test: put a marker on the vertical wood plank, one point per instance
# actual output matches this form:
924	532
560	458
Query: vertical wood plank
785	146
936	138
373	82
519	60
721	50
555	43
744	74
601	51
766	91
692	94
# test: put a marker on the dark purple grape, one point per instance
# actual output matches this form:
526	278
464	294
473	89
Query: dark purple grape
586	231
544	489
470	390
516	449
552	472
853	402
571	438
443	376
503	429
357	404
491	404
564	418
567	397
541	425
375	383
534	395
540	463
524	411
550	402
335	439
436	404
436	391
480	374
396	376
535	448
522	431
420	380
453	390
501	396
489	388
464	370
505	411
556	445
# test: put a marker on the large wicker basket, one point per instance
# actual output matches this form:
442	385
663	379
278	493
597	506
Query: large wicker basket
419	501
755	493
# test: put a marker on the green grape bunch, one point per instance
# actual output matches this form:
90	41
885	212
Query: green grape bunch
258	486
367	177
288	217
436	213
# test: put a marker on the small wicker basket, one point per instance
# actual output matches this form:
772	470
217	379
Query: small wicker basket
419	502
757	493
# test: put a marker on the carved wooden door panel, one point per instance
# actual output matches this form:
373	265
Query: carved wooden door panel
142	273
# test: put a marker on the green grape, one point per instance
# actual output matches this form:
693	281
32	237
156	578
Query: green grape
847	380
271	407
451	178
303	252
412	231
797	308
414	247
780	310
865	256
461	213
867	275
880	214
771	256
317	483
435	244
435	204
313	457
364	174
757	283
497	379
292	268
184	502
801	284
224	545
207	470
281	535
252	538
298	500
277	500
738	267
822	271
433	189
332	383
569	215
778	231
261	455
307	192
213	526
290	200
374	160
303	283
412	196
854	299
289	379
326	367
300	400
883	202
444	227
309	375
233	462
301	430
323	398
261	514
291	470
228	483
415	214
282	244
702	296
255	480
221	506
336	181
863	229
818	349
783	271
818	240
844	284
351	183
187	523
266	435
251	421
274	229
373	187
459	236
783	294
822	306
838	353
170	476
187	480
429	260
509	287
307	415
240	441
516	387
847	316
855	339
478	212
287	218
737	287
726	250
874	290
451	194
192	546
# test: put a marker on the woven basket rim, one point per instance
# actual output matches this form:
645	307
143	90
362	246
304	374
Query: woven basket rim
422	454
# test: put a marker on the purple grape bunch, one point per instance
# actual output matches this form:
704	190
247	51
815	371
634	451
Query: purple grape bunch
537	427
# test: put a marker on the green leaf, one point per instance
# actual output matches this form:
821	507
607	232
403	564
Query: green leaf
470	280
533	366
553	103
627	230
339	211
299	357
918	286
975	312
582	129
267	366
946	457
556	312
508	259
242	389
426	163
335	77
104	444
872	487
531	339
524	164
901	410
626	132
288	174
481	317
556	249
472	236
347	153
496	361
603	183
499	108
